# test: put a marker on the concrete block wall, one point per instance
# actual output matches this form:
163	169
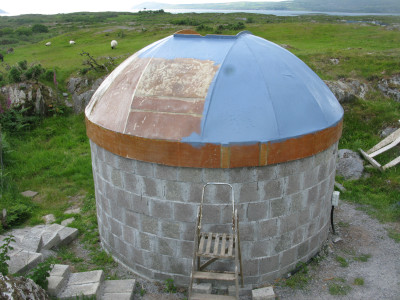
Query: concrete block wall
147	212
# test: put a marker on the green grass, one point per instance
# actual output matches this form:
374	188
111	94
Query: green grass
300	279
339	287
362	257
54	160
394	234
358	281
342	261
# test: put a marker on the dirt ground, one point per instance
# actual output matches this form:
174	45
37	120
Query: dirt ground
371	255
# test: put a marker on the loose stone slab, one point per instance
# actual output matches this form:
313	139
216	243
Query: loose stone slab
119	286
85	284
68	221
83	291
60	270
85	277
72	211
202	288
22	261
29	194
58	279
67	235
263	293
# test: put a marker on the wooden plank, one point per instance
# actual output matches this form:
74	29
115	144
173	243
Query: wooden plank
223	250
391	163
390	146
216	244
389	139
201	244
371	160
214	276
209	243
207	263
211	297
230	246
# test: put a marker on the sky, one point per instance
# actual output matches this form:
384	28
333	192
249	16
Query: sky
18	7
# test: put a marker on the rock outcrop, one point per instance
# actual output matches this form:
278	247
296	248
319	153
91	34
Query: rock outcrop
38	98
82	90
391	87
20	288
347	90
349	164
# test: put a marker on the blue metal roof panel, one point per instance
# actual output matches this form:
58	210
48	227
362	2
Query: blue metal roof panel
260	93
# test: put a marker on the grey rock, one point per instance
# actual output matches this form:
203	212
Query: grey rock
390	87
82	90
29	194
349	164
48	219
347	90
20	288
387	131
68	221
35	95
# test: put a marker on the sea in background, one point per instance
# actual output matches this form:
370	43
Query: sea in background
282	13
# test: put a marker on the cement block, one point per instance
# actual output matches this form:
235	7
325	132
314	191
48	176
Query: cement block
119	286
144	169
263	293
257	211
249	192
269	264
170	229
56	284
67	235
184	212
165	172
117	296
86	277
22	261
30	242
190	175
161	209
294	184
60	270
202	288
243	291
81	291
267	228
272	189
278	207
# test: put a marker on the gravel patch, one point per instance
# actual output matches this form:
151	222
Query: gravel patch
371	256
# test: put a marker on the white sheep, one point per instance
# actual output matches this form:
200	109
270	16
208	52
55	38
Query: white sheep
72	42
48	44
114	44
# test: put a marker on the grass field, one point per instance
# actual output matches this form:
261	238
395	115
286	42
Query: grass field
52	156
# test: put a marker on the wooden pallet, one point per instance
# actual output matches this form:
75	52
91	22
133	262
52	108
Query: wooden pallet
210	246
388	143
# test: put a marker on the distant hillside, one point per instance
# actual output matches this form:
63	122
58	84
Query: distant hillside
2	11
353	6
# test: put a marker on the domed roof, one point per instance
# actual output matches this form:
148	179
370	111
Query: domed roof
214	101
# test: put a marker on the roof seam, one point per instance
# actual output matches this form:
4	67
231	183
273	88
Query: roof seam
214	84
140	78
266	87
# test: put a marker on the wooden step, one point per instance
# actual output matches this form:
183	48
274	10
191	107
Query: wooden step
211	297
214	276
